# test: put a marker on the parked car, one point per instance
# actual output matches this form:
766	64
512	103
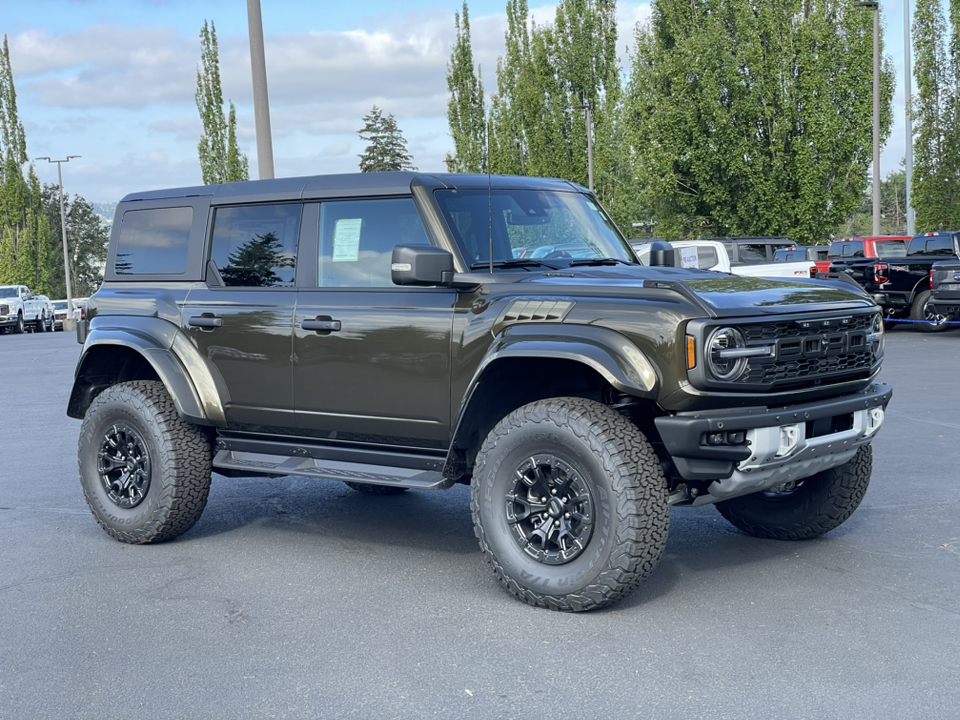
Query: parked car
896	272
60	313
20	309
714	255
45	323
817	254
390	340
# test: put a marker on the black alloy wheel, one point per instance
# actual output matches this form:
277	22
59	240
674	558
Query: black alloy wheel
123	463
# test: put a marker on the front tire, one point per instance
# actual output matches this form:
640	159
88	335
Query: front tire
928	320
145	471
808	508
18	328
569	504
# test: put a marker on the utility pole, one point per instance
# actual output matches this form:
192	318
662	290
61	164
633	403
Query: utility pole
68	323
875	6
261	103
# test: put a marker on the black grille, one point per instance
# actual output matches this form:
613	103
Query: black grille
809	352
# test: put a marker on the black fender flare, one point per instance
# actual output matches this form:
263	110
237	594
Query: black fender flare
196	393
615	357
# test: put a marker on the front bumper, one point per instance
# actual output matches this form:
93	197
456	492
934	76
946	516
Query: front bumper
779	444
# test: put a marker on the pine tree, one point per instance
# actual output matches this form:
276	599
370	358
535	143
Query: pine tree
386	150
220	157
465	110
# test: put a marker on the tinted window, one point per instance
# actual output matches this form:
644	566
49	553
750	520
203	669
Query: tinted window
357	238
256	246
853	249
942	245
154	242
753	253
891	249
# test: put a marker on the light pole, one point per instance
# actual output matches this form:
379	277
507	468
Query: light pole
68	321
875	6
908	78
261	103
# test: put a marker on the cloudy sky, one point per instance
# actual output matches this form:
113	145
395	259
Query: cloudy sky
113	81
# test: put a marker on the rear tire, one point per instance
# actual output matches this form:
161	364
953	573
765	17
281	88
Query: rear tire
145	471
569	504
920	312
812	507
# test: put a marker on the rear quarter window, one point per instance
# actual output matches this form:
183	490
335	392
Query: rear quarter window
154	241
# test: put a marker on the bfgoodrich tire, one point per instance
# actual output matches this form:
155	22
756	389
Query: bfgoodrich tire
569	504
809	508
145	471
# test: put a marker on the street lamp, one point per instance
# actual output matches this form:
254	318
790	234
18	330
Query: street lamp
875	6
68	321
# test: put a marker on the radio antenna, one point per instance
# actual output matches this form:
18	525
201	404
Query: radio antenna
490	199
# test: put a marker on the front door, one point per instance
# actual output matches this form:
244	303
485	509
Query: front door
371	359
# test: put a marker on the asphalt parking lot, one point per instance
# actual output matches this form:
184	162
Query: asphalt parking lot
298	598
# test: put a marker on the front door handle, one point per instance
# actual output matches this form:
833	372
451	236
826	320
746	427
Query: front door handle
206	320
321	325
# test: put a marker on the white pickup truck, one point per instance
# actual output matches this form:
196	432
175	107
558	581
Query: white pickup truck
713	255
20	308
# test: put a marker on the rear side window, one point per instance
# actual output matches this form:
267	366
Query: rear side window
154	242
753	253
256	246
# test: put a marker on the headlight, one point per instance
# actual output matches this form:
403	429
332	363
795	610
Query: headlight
875	336
724	354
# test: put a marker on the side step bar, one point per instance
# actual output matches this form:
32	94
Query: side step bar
267	464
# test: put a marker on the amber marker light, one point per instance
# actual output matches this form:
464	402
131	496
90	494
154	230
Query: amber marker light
691	352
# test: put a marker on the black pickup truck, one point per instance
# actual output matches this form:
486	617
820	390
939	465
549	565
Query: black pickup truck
944	302
901	285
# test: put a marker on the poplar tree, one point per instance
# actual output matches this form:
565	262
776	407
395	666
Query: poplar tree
466	112
220	157
386	150
755	118
936	117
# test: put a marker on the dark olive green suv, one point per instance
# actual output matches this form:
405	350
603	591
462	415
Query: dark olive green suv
406	330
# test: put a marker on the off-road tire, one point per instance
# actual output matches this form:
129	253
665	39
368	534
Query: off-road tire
816	505
919	312
178	460
613	464
368	489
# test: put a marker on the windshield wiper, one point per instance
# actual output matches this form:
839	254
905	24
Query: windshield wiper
600	261
512	264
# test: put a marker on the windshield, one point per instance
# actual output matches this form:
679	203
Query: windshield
9	292
530	225
60	305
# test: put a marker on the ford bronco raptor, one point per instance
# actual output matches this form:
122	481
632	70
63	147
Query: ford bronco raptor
384	331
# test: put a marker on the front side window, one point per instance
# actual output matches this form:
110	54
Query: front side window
154	242
357	238
530	225
256	246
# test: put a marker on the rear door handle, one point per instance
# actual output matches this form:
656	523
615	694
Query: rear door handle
321	325
205	321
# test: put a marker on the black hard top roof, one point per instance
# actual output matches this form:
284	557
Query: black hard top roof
345	186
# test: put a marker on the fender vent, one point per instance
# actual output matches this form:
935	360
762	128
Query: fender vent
537	311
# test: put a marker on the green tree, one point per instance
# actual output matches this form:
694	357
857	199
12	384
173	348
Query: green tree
87	237
386	150
893	209
754	118
466	112
936	117
220	157
254	263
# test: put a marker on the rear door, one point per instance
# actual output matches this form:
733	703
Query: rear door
241	320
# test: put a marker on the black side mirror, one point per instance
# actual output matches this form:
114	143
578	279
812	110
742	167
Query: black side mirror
661	254
421	265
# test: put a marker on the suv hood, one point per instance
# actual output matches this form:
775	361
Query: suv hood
719	293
